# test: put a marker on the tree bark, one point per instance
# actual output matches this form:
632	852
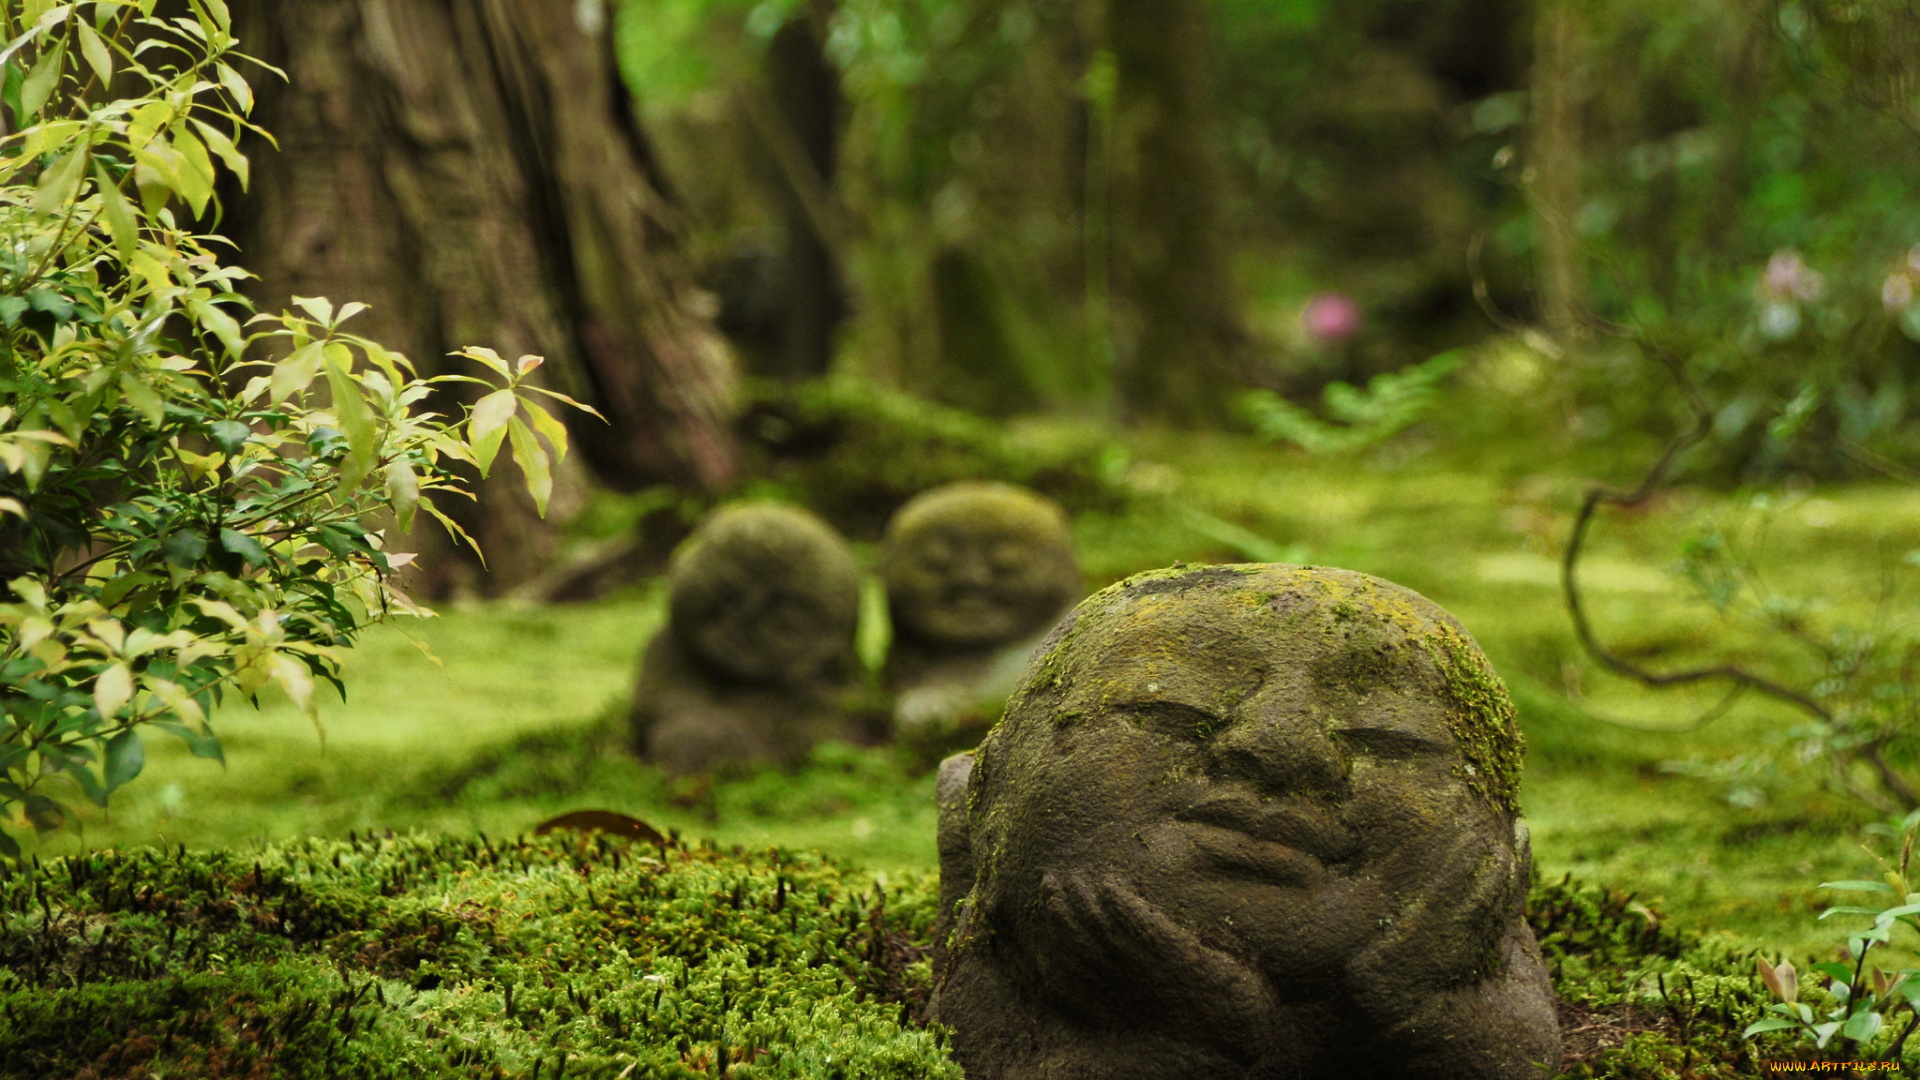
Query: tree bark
1175	323
474	171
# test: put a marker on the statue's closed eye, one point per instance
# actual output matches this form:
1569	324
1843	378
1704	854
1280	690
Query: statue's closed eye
1388	744
1173	718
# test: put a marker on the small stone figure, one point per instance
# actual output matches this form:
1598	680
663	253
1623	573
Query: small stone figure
1249	821
757	655
975	573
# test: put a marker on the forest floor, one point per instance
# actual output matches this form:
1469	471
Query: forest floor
518	717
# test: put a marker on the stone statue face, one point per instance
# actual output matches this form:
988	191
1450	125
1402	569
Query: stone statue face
765	593
1269	761
977	564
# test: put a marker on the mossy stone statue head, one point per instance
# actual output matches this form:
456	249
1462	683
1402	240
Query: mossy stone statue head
975	564
765	593
1258	819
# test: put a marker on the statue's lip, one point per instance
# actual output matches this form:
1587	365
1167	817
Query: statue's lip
972	598
1291	823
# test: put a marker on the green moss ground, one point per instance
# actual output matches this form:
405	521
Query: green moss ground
521	721
509	728
578	956
436	957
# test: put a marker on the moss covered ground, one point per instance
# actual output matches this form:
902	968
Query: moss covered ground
519	719
576	955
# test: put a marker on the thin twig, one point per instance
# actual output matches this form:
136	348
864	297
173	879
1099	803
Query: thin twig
1651	481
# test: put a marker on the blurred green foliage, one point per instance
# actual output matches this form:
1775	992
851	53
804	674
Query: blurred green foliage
1741	197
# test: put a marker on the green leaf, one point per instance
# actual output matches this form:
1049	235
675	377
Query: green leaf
9	847
45	814
116	590
532	459
486	356
223	147
296	372
545	424
50	302
403	491
196	175
229	435
245	546
199	744
59	184
1769	1024
39	83
453	529
98	57
11	308
297	681
1863	1026
1857	886
220	324
10	91
117	212
144	398
112	690
185	549
319	308
126	756
354	416
488	424
237	87
1841	973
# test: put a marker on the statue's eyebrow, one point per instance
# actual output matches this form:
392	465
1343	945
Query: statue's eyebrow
1198	721
1389	742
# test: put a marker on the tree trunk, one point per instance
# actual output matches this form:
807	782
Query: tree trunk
473	170
1555	180
806	89
1175	323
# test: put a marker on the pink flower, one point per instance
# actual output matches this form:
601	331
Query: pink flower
1330	317
1897	292
1790	278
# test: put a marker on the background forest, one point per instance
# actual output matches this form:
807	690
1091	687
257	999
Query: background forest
1596	322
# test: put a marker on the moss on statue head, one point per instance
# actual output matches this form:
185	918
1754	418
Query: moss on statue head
1350	630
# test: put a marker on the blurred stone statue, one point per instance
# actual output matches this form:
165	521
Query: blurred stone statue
1247	821
757	656
975	574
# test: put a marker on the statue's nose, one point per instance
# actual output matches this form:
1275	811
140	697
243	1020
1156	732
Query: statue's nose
1287	754
971	569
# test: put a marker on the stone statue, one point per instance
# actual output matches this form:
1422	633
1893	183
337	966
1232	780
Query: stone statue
757	656
1244	821
975	574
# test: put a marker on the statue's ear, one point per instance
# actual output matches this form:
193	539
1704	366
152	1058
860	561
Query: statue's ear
1522	861
955	843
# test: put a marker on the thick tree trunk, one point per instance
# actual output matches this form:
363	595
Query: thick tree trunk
1175	322
472	169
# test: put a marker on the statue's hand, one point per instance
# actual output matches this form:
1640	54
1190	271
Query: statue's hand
1113	956
1455	986
1456	905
